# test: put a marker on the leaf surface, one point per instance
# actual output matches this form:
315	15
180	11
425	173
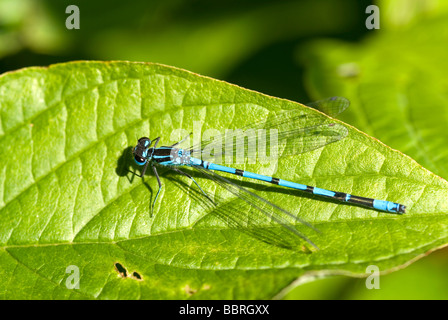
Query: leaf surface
67	197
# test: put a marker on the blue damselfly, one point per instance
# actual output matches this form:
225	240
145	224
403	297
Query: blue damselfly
300	131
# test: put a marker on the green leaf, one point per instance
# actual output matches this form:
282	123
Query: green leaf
67	198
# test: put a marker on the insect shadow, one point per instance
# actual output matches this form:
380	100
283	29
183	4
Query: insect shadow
126	167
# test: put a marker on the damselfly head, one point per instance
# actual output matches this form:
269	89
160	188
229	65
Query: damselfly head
144	141
141	151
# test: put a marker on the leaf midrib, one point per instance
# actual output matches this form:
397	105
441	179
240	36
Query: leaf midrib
218	229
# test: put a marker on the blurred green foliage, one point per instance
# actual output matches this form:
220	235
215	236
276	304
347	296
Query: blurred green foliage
252	43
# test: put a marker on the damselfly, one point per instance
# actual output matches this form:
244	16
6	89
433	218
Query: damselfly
299	131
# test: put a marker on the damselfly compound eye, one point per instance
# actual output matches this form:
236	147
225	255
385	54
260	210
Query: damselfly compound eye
139	160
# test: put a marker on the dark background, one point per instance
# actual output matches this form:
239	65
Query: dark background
251	43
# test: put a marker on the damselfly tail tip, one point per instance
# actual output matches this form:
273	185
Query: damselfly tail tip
401	208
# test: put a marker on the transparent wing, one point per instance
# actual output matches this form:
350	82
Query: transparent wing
270	210
293	131
236	213
332	106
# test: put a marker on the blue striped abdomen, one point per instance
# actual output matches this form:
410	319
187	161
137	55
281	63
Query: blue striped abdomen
340	196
